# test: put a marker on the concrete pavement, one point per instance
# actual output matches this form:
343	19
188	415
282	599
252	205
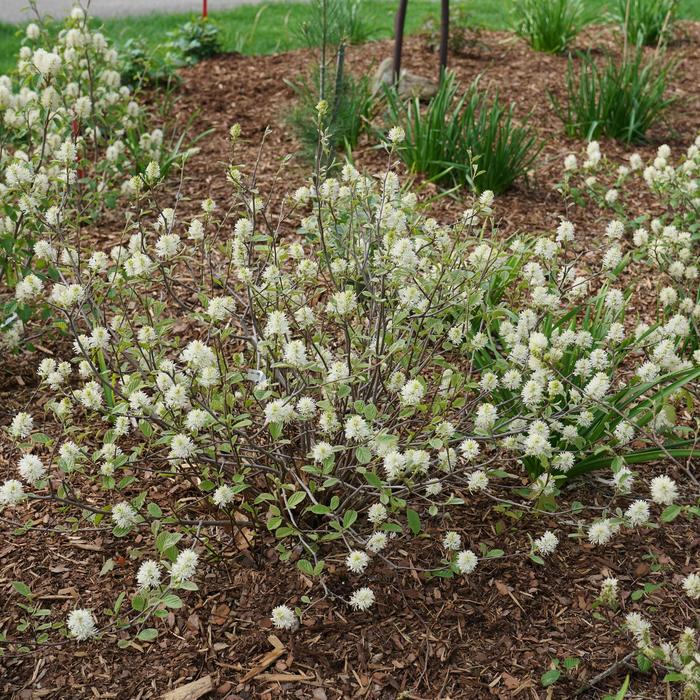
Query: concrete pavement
18	11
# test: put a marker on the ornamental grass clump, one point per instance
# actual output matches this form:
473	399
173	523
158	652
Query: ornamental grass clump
622	98
649	22
548	25
472	140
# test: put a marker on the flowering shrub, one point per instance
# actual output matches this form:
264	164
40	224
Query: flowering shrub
665	244
339	373
68	131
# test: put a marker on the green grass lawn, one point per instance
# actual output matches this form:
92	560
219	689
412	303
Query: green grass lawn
275	28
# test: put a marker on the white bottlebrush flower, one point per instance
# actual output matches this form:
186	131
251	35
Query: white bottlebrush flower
570	162
624	480
356	429
357	561
28	288
469	449
412	393
601	532
306	408
663	490
609	591
546	544
377	513
477	481
394	464
32	31
220	308
124	515
377	542
31	468
167	246
11	492
362	599
197	418
342	303
284	618
185	566
277	325
486	416
321	451
295	353
691	585
22	425
637	512
81	624
466	561
223	496
181	447
638	627
564	461
452	540
149	574
279	411
396	135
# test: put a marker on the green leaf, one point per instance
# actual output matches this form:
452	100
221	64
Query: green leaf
305	566
674	678
22	588
550	677
172	601
166	540
319	509
413	521
349	518
148	634
671	513
643	663
373	480
118	602
295	499
363	455
571	662
154	510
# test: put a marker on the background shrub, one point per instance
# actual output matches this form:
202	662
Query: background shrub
196	40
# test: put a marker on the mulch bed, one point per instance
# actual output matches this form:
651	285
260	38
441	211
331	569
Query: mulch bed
490	635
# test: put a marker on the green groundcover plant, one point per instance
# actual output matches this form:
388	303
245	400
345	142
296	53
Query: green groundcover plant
343	373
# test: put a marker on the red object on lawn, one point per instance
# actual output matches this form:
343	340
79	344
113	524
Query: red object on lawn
204	8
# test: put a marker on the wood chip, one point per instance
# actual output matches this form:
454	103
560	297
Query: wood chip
190	691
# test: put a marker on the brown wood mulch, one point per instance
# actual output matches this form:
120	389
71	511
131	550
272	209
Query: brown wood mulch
491	635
